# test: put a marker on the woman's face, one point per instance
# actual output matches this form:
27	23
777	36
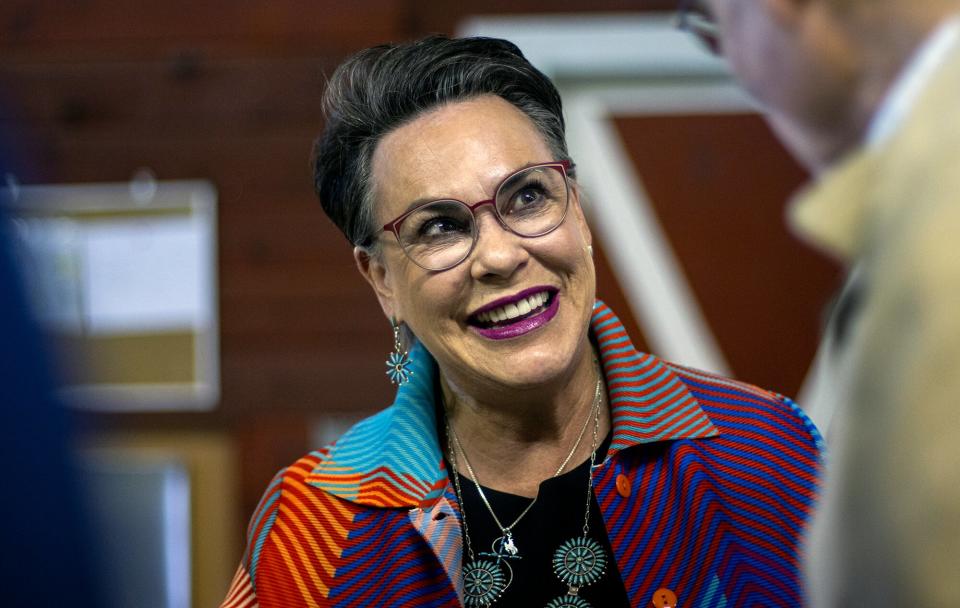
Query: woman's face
463	151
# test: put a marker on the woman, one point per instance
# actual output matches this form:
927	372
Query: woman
532	457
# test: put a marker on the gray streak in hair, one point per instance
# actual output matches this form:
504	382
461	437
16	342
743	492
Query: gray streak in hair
384	87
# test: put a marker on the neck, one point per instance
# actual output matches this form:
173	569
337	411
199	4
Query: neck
818	146
515	440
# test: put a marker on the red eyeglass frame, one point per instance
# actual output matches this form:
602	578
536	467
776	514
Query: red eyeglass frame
564	166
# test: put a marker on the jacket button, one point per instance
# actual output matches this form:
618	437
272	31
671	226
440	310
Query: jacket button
664	598
623	485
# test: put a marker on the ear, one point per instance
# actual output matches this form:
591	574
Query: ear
378	276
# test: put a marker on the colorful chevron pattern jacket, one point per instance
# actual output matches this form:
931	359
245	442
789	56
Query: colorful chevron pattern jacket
705	491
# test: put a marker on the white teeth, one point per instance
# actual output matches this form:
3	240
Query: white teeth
514	310
524	307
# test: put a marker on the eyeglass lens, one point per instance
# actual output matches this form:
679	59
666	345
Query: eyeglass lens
441	234
695	17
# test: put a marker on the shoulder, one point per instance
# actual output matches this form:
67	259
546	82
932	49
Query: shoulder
264	517
744	413
290	506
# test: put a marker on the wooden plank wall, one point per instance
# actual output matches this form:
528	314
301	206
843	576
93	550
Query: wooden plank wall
228	90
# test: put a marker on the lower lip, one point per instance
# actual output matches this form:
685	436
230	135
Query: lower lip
523	326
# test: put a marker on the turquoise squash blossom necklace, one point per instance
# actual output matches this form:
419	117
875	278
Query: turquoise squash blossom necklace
577	562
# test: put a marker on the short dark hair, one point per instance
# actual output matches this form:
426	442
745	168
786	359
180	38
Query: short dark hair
384	87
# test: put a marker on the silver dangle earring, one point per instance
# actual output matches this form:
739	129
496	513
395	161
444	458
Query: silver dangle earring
398	362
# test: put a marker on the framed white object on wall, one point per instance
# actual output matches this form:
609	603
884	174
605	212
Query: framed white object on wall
124	277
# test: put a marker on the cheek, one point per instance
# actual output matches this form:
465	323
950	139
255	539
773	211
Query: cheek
408	281
567	252
430	297
578	218
752	47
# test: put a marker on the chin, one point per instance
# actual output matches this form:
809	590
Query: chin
542	364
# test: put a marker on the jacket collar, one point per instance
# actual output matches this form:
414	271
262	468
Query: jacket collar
831	212
393	458
876	186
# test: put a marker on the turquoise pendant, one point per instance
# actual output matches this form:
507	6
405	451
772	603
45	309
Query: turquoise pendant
483	583
579	562
568	601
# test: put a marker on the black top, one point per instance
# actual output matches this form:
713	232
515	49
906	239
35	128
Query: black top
556	517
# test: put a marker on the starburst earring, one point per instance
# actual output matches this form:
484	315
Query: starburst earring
398	362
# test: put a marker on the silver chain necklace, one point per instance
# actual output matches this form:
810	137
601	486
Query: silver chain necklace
506	541
577	562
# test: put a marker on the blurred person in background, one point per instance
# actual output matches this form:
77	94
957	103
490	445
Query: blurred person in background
532	457
46	559
866	93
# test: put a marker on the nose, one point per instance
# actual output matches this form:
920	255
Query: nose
498	253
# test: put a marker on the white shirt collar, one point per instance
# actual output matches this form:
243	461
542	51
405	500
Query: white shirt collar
910	83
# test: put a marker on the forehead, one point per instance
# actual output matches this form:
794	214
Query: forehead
459	150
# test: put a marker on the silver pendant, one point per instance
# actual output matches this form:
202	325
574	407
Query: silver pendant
579	562
503	548
483	583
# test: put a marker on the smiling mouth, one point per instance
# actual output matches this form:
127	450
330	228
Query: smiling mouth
514	312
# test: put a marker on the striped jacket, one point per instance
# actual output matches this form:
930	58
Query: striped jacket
705	490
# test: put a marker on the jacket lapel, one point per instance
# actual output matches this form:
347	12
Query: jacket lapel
393	458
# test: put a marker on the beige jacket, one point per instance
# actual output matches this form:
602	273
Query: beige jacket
888	529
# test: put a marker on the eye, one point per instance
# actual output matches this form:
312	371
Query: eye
438	222
528	197
439	226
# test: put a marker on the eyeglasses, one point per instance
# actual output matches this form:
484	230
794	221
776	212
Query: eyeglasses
694	17
440	234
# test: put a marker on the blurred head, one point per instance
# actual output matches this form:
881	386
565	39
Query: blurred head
794	57
500	293
821	68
